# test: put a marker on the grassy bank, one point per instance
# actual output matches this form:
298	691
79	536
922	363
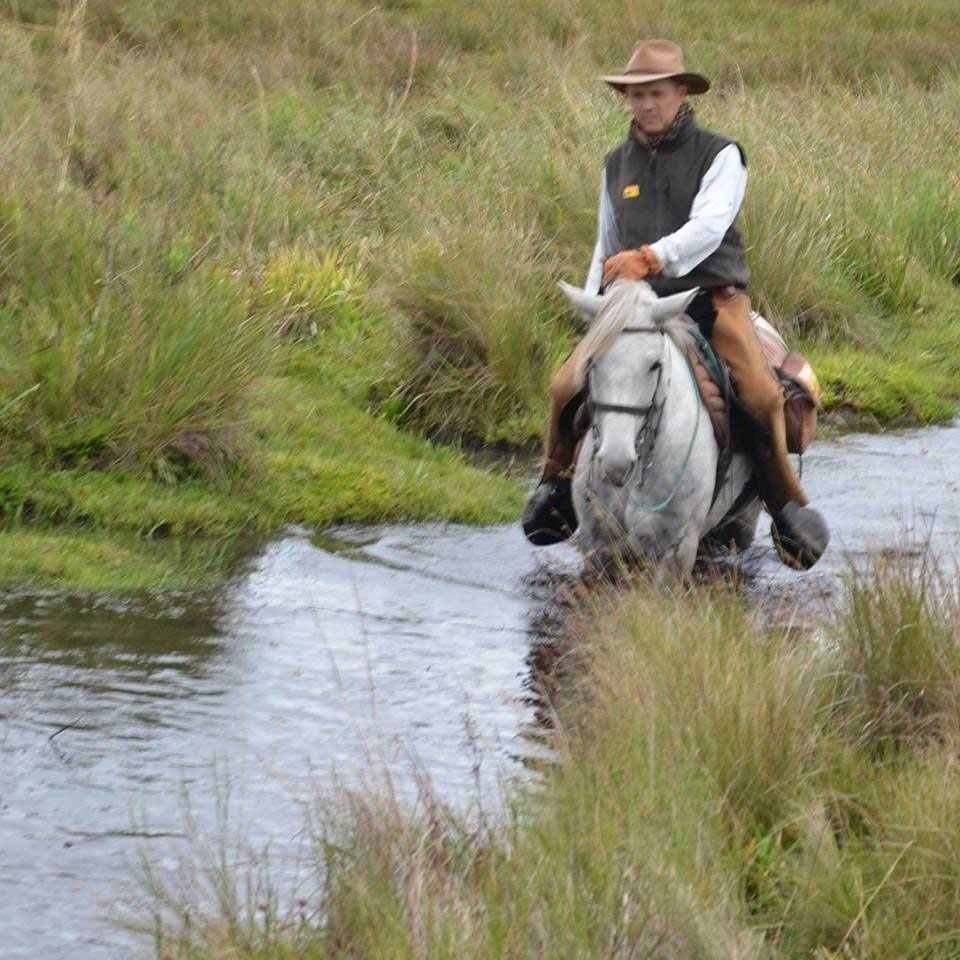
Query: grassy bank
718	792
236	240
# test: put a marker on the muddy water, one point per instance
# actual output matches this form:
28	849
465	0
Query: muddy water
328	653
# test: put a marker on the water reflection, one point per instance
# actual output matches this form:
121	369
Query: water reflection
329	653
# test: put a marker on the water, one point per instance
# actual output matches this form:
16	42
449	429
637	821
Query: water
327	655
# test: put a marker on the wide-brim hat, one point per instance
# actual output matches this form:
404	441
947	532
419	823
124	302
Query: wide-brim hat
657	60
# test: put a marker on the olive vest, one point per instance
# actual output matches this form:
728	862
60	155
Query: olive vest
652	191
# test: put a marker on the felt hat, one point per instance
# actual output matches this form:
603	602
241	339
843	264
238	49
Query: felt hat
657	60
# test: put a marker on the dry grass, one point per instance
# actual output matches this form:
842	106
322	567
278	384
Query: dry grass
718	792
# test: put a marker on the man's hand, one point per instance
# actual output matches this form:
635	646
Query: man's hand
630	265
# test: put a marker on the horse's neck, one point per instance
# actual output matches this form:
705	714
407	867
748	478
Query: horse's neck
681	399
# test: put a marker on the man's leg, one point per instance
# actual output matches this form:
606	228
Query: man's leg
801	532
549	516
559	443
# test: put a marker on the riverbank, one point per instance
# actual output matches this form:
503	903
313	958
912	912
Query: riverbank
716	790
314	459
251	258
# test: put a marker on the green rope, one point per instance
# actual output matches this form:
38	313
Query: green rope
686	460
713	361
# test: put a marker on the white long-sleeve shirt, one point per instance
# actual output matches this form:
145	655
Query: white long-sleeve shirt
712	213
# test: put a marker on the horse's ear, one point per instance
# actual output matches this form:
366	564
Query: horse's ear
585	305
668	307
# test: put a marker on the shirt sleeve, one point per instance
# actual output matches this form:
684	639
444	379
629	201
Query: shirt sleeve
608	240
712	213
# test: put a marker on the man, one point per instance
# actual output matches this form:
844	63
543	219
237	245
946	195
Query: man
669	200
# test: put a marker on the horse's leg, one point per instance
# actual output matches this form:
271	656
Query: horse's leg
677	564
737	529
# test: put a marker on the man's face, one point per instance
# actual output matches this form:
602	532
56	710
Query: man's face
655	104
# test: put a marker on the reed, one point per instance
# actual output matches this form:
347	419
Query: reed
718	791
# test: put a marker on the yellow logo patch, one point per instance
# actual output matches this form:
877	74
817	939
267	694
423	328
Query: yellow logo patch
631	191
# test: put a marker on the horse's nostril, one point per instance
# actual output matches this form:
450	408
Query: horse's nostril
614	474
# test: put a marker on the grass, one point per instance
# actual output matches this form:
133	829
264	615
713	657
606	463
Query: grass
111	561
60	524
718	791
208	209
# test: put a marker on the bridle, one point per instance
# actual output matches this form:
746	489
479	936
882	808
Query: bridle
644	440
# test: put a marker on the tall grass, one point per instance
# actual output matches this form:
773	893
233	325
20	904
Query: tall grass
156	158
718	792
108	355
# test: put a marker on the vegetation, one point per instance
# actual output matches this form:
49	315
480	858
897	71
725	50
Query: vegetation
717	792
252	254
217	219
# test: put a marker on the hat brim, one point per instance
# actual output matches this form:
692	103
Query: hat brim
696	82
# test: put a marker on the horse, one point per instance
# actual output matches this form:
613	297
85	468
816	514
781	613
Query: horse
645	476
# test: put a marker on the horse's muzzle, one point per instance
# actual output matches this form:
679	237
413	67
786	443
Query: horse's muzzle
616	473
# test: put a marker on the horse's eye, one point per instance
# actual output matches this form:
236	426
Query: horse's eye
655	365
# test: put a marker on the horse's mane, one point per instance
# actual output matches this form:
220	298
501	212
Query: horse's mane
625	300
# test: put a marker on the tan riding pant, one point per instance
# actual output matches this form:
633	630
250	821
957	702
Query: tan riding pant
735	342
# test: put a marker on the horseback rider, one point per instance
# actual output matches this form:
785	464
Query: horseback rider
669	199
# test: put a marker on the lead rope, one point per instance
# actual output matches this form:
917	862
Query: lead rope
686	460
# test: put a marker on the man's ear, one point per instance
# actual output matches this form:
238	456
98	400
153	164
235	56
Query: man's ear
585	305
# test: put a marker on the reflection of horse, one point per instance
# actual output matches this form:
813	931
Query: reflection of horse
644	485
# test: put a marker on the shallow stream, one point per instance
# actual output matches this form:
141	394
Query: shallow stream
401	647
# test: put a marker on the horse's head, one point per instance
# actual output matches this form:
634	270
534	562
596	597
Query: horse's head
624	357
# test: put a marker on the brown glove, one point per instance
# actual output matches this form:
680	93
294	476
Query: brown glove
630	265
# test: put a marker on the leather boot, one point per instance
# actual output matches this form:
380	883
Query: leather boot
549	516
800	533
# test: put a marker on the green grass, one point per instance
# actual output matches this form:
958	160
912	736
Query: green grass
212	212
110	561
718	791
320	460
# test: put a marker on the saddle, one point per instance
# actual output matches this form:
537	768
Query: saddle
799	382
801	390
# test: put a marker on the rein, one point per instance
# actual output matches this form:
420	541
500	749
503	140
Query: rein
663	504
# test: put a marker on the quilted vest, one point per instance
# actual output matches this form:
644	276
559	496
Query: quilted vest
652	193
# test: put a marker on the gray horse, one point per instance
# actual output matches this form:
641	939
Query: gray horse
644	482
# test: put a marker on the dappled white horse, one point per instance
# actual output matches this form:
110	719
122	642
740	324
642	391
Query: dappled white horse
645	475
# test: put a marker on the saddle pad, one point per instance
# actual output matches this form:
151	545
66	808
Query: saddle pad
713	397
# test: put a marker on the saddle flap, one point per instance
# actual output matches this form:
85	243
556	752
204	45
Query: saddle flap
802	393
801	389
